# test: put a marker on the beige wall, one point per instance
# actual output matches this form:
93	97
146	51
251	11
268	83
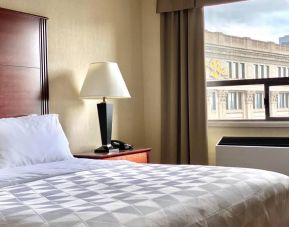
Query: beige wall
151	73
84	31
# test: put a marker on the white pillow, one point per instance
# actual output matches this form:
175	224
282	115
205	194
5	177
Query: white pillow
32	139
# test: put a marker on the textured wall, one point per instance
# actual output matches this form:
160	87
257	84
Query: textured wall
84	31
152	79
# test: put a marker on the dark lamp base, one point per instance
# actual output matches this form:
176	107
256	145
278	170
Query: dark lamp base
106	148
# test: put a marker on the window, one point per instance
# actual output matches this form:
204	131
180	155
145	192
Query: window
230	69
261	71
213	101
267	71
283	72
256	71
236	70
283	100
242	71
234	100
258	100
255	85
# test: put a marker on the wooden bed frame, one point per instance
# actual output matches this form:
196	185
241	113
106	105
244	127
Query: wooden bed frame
23	64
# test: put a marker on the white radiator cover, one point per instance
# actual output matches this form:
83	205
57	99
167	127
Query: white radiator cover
259	157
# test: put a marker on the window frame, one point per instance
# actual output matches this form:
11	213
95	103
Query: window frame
266	82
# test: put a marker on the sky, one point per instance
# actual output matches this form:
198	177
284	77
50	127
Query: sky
265	20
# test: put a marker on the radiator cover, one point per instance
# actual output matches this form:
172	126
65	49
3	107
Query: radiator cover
268	153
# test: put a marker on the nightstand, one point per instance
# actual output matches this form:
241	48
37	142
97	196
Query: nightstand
135	155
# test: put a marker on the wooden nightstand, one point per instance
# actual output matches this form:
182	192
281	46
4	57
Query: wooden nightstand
136	155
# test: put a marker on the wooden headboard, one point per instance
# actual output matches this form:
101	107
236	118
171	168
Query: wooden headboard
23	64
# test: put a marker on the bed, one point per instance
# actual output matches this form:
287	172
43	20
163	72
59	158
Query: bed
66	191
120	193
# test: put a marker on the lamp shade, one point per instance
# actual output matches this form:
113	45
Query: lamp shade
104	79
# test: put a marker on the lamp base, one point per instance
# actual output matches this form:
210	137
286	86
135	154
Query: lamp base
106	149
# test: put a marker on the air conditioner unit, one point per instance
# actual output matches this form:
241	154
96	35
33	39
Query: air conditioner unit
268	153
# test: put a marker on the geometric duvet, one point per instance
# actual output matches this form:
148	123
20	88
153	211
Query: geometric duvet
120	193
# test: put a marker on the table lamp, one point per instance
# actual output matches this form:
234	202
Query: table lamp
104	81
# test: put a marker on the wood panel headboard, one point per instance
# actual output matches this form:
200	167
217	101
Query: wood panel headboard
23	64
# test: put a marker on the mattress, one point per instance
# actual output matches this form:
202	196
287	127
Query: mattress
82	192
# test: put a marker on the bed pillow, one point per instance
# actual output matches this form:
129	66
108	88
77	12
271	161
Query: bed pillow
31	140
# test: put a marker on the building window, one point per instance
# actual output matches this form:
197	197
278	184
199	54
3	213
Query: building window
282	102
258	100
242	71
213	101
236	73
234	100
261	71
236	70
283	72
256	71
230	69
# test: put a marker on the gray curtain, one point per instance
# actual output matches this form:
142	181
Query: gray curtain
184	129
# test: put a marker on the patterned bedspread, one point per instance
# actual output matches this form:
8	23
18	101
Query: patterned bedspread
120	193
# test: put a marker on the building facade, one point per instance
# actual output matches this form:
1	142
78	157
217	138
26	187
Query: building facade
284	39
235	58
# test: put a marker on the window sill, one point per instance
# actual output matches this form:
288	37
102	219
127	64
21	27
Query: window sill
248	124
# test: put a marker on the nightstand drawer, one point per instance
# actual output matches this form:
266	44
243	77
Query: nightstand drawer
140	157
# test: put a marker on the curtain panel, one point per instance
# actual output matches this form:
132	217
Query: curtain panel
184	118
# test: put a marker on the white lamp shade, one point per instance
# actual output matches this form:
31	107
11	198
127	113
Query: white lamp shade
104	79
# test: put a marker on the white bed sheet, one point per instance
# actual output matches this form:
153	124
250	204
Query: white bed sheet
83	192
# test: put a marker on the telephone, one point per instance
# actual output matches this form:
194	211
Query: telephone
121	145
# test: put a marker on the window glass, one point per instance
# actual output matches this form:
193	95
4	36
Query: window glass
256	71
230	69
213	102
247	41
258	102
279	100
236	102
